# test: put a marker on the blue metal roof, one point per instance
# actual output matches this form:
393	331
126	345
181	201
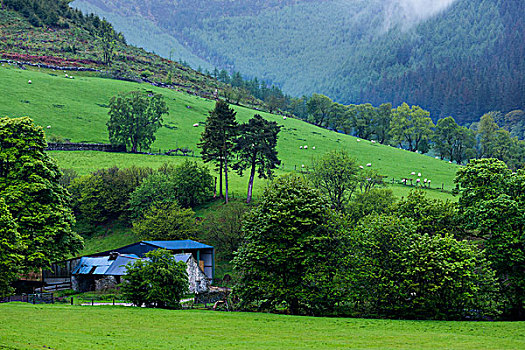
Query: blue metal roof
178	245
102	265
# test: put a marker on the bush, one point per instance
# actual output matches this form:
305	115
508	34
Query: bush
158	281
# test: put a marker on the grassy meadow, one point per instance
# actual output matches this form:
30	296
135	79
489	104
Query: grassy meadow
77	109
26	326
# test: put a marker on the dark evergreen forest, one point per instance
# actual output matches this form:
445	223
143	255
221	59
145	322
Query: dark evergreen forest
464	61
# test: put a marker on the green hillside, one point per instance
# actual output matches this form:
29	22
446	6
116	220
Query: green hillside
462	60
76	109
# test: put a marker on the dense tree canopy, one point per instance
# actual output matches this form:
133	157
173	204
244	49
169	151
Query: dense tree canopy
287	257
37	203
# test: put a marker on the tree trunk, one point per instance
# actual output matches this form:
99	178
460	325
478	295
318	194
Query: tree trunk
250	184
220	179
226	179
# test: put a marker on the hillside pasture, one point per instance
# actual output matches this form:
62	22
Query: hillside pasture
114	327
77	108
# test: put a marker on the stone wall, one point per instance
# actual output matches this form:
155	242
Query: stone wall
198	282
70	146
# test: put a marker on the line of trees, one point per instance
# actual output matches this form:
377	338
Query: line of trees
250	146
366	254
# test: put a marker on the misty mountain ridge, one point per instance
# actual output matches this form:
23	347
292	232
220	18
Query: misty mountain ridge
453	57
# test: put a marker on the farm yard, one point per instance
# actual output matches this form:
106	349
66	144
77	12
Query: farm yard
108	327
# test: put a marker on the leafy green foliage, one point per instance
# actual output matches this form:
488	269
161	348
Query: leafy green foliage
491	205
287	257
393	271
103	195
411	126
158	281
222	228
38	204
10	249
256	149
430	216
134	119
166	222
335	174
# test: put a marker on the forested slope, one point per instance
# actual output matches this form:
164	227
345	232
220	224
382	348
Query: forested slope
452	57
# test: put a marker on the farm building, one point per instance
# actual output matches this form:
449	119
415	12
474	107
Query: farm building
105	272
102	270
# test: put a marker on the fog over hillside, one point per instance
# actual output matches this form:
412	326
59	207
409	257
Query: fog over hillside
410	12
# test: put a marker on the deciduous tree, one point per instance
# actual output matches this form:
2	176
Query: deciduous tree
134	118
38	204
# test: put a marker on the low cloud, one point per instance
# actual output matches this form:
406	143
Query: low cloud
406	13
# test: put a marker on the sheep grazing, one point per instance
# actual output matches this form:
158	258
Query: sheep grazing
373	141
301	147
29	82
369	164
358	140
67	76
436	157
419	174
305	147
428	182
71	77
302	165
418	180
361	167
48	127
450	161
425	181
313	147
284	118
196	124
413	173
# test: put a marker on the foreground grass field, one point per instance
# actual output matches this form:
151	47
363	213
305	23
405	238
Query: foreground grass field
26	326
77	109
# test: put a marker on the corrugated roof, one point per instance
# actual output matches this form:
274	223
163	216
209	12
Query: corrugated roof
104	266
178	245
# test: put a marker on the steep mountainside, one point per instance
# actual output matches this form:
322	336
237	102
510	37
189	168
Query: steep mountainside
453	57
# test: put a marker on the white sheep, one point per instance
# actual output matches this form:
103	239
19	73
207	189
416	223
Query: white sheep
425	181
419	174
305	147
413	173
71	77
301	147
313	147
29	81
436	157
450	161
373	141
48	127
284	118
302	165
358	140
369	164
361	167
196	124
67	75
418	180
